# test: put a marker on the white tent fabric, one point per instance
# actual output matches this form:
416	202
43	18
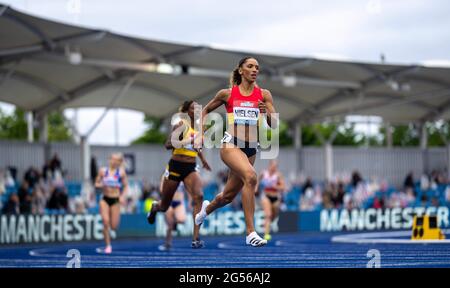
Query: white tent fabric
45	65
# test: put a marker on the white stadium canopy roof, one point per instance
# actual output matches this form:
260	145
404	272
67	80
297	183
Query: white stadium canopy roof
46	65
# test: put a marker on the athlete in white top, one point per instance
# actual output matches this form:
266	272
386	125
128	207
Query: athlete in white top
114	183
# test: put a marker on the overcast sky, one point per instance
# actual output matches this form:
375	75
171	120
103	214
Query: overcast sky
406	31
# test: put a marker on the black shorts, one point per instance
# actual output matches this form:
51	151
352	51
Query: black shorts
273	199
175	203
177	170
249	148
111	200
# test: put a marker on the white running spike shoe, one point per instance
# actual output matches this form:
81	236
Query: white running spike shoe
200	217
254	240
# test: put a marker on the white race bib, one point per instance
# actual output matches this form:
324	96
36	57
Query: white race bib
245	112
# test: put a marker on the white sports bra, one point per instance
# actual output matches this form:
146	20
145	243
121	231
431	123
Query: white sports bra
112	180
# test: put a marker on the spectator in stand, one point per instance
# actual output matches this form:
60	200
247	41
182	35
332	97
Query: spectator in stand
38	201
308	184
423	201
58	199
437	178
58	180
6	180
32	176
433	175
440	178
55	163
379	202
326	201
434	202
12	171
424	182
337	194
94	169
410	197
356	178
79	206
341	192
409	181
24	198
7	185
307	200
12	205
447	194
47	173
327	194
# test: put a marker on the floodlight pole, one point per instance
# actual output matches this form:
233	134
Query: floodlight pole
388	132
328	161
298	135
424	146
30	131
298	146
423	136
328	151
43	128
85	158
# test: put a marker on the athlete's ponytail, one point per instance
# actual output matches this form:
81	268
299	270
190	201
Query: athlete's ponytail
185	106
235	77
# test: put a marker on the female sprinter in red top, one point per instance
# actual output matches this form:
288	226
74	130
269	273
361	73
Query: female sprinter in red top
244	102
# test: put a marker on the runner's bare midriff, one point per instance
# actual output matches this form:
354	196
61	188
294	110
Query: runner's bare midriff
111	192
183	158
244	133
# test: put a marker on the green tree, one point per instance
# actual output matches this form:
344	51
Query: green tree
154	132
374	140
402	135
14	126
346	135
437	131
285	138
58	129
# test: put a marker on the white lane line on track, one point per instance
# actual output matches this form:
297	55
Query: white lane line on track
379	238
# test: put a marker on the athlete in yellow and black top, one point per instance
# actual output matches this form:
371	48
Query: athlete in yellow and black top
183	167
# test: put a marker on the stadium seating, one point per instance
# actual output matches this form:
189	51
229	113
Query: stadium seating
432	196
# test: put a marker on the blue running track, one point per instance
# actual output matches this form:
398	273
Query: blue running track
285	250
